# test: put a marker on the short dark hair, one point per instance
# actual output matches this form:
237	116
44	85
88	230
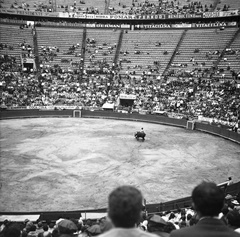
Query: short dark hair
208	199
39	224
169	227
45	227
124	206
233	218
33	228
189	216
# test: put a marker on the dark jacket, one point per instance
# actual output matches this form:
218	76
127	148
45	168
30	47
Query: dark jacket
208	227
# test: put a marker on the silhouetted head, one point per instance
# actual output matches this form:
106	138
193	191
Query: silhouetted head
208	199
124	206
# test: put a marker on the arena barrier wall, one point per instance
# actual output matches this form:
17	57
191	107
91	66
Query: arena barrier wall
219	131
151	208
34	113
159	119
233	190
135	117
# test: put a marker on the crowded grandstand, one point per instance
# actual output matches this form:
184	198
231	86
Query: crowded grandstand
175	59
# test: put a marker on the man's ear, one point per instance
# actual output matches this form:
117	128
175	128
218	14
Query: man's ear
194	206
198	214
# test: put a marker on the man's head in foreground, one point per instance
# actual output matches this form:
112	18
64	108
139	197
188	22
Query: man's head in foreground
125	206
208	199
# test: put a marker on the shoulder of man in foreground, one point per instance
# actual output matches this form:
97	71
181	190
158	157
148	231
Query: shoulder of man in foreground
123	232
181	232
192	231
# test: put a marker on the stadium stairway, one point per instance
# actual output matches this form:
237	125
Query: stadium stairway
228	46
102	51
206	41
82	60
140	49
215	4
119	45
231	62
175	51
106	9
35	46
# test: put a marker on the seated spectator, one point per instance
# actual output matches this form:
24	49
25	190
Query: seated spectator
208	200
124	210
46	232
39	227
51	227
156	225
105	224
169	227
66	228
28	225
183	222
223	214
32	231
189	217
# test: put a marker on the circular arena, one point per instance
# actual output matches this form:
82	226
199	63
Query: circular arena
67	164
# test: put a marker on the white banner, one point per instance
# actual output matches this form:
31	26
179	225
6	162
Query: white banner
127	97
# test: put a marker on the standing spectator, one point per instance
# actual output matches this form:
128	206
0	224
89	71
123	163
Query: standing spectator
230	181
124	210
208	200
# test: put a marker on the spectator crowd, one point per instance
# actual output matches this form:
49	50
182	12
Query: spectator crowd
135	7
189	97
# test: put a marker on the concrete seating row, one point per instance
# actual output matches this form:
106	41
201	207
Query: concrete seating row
12	36
63	39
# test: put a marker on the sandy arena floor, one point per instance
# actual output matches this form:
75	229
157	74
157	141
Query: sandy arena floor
60	164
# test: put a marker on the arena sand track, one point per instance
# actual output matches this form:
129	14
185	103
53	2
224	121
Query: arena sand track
60	164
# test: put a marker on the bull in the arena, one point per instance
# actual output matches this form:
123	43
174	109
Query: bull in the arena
140	134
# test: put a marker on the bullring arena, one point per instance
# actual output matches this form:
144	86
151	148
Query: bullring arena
66	164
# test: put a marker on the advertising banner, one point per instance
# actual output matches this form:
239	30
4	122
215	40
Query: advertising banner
228	13
121	16
127	97
153	26
210	14
183	25
211	24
